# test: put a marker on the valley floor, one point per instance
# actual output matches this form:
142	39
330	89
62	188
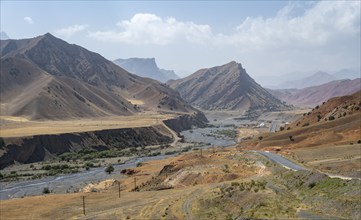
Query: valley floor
215	183
19	127
225	184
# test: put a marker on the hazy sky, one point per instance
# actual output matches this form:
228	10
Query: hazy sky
268	38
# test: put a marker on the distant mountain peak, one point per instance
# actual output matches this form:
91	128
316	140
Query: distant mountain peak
226	87
321	73
48	35
315	79
315	95
146	67
47	78
233	63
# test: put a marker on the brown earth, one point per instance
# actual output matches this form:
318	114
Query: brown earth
315	95
103	202
328	127
334	108
252	192
45	78
226	87
44	147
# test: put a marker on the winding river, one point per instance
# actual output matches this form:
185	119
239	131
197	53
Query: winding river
73	182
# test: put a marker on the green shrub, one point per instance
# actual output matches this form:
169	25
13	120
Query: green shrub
46	190
109	169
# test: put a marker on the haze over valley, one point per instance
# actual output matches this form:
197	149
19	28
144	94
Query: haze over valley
162	110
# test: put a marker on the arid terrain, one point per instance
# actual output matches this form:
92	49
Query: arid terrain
212	184
315	95
226	87
216	182
20	126
326	138
83	138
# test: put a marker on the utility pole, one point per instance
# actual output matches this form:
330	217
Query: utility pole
84	205
118	189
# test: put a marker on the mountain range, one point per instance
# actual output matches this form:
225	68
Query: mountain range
226	87
300	80
146	67
47	78
315	95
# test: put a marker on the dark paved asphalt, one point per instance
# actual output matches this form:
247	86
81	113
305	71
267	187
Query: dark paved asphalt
281	160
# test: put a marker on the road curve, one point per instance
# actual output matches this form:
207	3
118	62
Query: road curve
281	160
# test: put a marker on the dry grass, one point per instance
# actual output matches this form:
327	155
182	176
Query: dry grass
342	160
247	133
105	203
18	127
136	101
337	132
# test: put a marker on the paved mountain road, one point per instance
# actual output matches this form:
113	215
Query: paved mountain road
281	160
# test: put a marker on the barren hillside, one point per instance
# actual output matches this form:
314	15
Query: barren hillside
312	96
47	78
226	87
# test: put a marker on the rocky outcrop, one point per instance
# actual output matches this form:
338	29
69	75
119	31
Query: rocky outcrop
186	122
146	67
40	147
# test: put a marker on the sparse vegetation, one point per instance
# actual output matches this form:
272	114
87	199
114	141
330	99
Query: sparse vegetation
46	190
226	168
109	169
228	133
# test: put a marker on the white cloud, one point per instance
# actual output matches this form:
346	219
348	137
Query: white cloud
323	23
28	20
303	36
69	31
151	29
316	26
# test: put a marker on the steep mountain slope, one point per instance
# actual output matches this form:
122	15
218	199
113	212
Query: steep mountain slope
146	67
47	78
335	122
226	87
312	96
332	109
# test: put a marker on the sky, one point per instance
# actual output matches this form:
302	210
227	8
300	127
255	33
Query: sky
269	38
